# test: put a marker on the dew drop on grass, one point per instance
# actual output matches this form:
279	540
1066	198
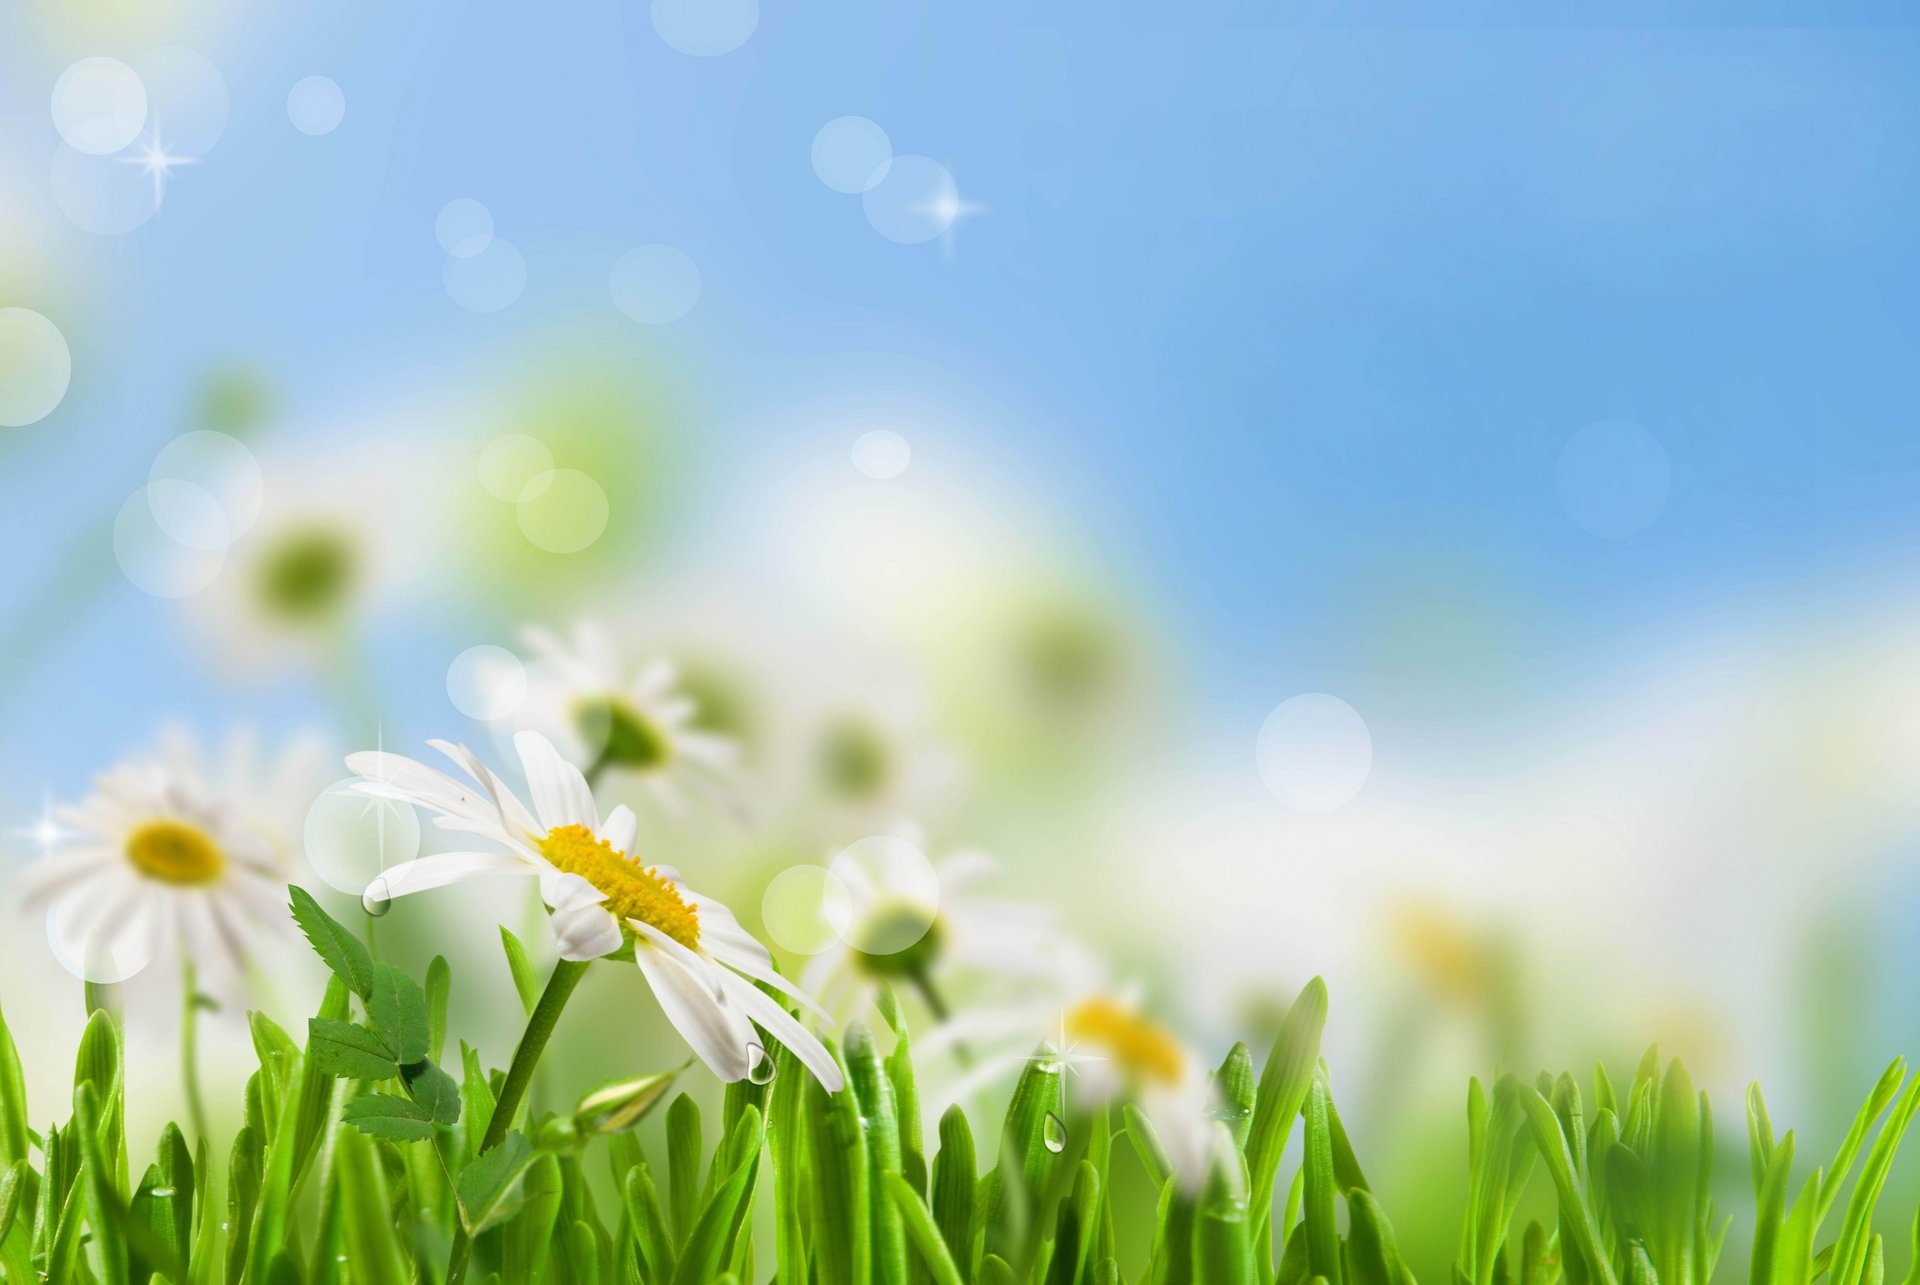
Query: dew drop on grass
760	1066
377	900
161	1193
1053	1132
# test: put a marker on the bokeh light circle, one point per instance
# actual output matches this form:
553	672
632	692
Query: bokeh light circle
486	683
565	515
464	227
654	284
705	28
881	454
487	281
153	560
101	194
851	154
915	201
316	105
187	99
893	895
95	943
35	367
511	463
1614	478
802	908
1314	752
188	514
218	466
99	106
351	837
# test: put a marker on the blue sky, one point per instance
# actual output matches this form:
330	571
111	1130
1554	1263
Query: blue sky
1292	324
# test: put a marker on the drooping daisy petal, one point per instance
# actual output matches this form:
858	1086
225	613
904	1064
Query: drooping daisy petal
61	873
784	1027
395	776
564	891
695	964
585	931
717	1034
514	816
443	868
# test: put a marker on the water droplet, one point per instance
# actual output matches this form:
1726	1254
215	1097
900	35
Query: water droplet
1053	1132
377	900
161	1193
760	1066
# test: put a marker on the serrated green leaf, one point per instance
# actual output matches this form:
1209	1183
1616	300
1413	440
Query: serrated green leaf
339	949
347	1051
397	1010
383	1115
435	1090
485	1184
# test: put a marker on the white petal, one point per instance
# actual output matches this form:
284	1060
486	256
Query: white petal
717	1033
400	777
53	875
757	965
783	1026
560	793
564	891
443	868
694	963
620	827
586	931
514	815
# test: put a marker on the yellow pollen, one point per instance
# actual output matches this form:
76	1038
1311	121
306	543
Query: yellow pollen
175	852
1137	1045
633	891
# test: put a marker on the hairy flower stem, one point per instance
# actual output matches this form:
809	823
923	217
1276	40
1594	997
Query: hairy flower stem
526	1055
190	1005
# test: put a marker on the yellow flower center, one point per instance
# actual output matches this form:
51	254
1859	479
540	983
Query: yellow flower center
633	891
1136	1045
175	852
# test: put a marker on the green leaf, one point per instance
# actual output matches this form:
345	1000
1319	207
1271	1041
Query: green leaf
683	1165
1283	1088
398	1011
435	1090
954	1183
97	1180
1023	1173
836	1167
13	1190
383	1115
873	1090
439	990
347	1051
708	1247
13	1100
621	1104
1323	1236
1234	1087
525	980
925	1235
313	1103
360	1187
652	1241
486	1182
339	949
1222	1236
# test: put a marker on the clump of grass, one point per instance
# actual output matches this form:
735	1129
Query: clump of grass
374	1152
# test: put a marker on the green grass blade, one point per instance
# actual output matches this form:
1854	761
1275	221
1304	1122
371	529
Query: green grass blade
1883	1092
1323	1235
955	1181
836	1155
922	1230
873	1090
1222	1225
1284	1084
1851	1250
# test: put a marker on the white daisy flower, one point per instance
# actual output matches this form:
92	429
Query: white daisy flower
909	922
608	716
1111	1048
169	853
698	960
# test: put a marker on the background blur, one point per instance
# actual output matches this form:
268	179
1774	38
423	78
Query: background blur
1377	490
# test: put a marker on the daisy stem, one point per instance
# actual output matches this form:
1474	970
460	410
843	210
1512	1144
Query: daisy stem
190	1048
937	1005
526	1055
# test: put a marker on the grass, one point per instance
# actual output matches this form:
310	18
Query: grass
375	1152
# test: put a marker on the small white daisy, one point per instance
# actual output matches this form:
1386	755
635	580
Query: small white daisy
698	960
910	924
608	716
168	853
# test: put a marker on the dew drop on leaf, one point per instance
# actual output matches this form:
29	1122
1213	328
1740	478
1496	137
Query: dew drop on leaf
760	1066
1053	1132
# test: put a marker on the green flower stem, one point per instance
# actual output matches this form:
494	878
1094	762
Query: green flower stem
190	1004
526	1055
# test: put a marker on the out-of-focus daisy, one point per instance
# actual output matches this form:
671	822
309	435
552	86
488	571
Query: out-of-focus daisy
607	716
1109	1046
698	960
339	533
906	922
170	852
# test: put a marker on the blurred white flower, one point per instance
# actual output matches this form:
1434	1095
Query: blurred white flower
171	853
608	716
